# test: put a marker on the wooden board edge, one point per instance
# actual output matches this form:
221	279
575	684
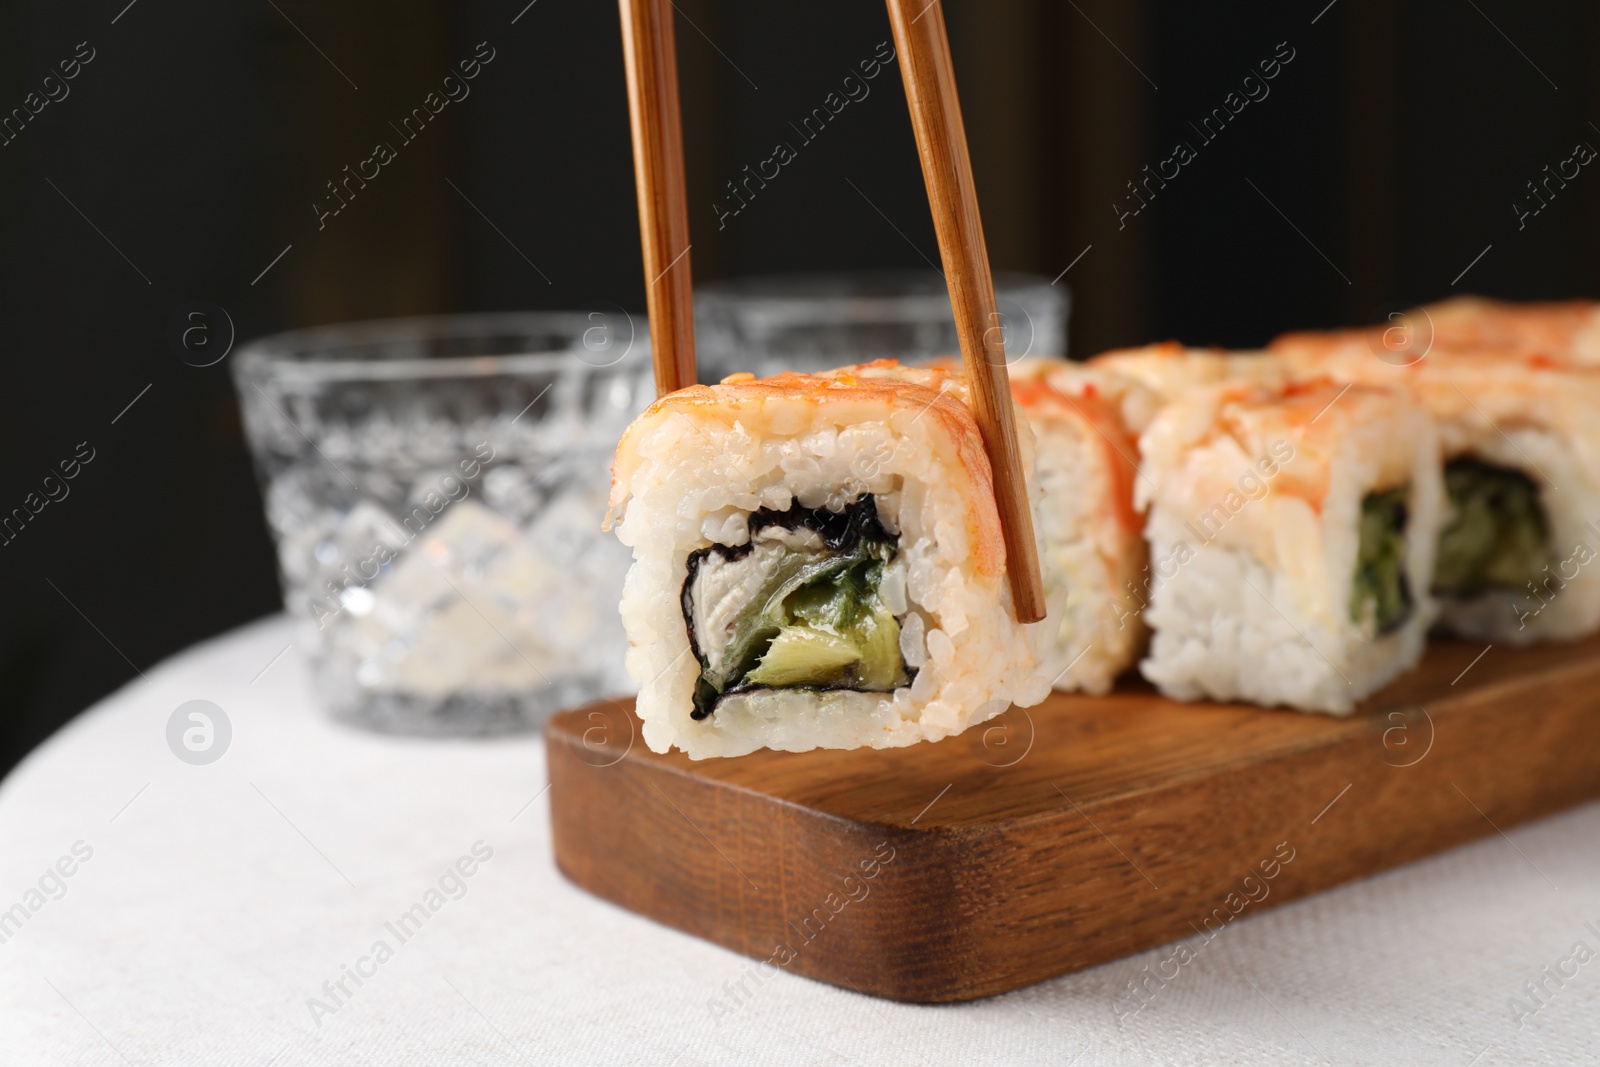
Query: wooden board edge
953	936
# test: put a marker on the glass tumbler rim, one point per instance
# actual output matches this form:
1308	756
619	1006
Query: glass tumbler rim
897	282
312	355
864	297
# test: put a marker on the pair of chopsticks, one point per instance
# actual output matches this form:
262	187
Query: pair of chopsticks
650	55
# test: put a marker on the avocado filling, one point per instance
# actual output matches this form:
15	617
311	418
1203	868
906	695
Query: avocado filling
1496	537
797	607
1380	579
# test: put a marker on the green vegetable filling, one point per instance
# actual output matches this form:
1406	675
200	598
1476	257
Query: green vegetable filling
1496	537
799	610
1380	585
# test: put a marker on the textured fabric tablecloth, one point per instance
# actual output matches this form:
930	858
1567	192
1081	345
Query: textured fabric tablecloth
153	911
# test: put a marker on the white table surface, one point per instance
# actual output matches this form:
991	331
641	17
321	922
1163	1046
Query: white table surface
218	899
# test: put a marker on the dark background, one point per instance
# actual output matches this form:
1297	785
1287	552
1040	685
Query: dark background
191	148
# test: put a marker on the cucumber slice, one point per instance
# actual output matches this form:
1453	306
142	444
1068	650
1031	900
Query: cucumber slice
1497	536
801	655
1380	584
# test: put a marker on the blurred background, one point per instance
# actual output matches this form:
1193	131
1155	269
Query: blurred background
1338	160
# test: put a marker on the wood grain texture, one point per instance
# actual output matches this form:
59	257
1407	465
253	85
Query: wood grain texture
930	81
650	58
1069	834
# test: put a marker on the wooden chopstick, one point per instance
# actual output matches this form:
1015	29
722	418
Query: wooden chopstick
925	67
650	56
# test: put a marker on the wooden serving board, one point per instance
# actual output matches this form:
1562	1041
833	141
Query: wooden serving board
1069	834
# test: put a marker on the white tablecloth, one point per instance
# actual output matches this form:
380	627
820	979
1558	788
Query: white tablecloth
215	902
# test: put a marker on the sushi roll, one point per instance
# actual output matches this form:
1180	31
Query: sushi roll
1091	539
1521	460
1169	370
1292	533
818	563
1566	331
